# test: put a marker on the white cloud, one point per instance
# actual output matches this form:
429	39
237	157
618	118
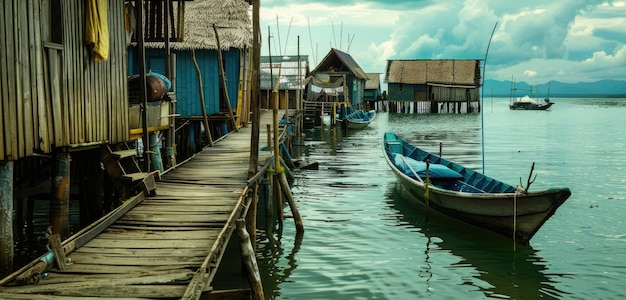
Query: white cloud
570	41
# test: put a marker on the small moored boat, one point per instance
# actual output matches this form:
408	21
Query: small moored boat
470	196
359	119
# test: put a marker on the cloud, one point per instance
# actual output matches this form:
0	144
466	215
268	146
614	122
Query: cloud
571	40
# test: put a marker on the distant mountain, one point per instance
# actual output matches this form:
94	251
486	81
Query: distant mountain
602	88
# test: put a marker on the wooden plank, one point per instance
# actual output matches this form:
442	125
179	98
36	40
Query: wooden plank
163	252
4	86
10	109
149	244
139	260
21	71
42	137
183	235
59	254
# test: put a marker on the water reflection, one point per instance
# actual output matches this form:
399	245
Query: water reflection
498	268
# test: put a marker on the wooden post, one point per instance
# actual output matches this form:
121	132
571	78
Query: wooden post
6	217
143	92
223	77
277	167
292	204
252	212
247	252
60	202
254	89
207	130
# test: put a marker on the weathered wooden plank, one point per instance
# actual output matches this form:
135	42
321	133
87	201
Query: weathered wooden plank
118	233
4	86
183	210
100	287
116	260
10	109
163	252
188	218
21	71
41	117
147	244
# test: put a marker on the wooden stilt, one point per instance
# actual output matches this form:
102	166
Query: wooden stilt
252	212
60	202
292	204
249	259
278	197
6	217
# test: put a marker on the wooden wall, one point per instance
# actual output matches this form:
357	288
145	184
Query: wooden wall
52	93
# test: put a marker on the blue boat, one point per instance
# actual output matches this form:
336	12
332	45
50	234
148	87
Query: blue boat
470	196
359	119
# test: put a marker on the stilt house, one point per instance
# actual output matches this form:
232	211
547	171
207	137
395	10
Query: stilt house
434	86
372	91
200	87
339	68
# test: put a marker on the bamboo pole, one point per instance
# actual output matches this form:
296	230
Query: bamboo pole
223	77
247	252
254	89
207	130
277	167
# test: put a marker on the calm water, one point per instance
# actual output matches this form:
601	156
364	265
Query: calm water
363	241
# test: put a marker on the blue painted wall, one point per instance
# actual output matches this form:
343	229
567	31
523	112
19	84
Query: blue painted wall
187	89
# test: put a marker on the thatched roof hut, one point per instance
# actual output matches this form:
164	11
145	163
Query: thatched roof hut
423	71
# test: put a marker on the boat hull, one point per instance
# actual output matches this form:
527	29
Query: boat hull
517	215
360	122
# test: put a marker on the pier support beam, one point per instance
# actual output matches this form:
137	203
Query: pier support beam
249	259
6	217
60	202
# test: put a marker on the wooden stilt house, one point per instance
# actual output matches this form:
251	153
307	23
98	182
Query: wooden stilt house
433	86
207	37
64	97
337	83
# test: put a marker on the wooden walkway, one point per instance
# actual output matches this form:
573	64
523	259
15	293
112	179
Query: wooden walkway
164	246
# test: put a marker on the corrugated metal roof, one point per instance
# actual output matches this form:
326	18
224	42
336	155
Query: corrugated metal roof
339	61
288	67
423	71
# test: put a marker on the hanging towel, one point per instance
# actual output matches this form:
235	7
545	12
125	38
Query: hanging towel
97	29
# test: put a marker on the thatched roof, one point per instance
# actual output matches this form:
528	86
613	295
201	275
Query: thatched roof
373	82
231	18
449	71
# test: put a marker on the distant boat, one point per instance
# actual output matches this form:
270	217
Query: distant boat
359	119
470	196
528	103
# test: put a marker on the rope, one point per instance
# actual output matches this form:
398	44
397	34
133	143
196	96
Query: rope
514	218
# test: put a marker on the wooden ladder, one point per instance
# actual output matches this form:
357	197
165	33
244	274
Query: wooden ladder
121	164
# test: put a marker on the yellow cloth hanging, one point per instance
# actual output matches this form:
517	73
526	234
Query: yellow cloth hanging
97	29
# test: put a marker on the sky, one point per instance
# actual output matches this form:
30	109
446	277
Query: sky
534	41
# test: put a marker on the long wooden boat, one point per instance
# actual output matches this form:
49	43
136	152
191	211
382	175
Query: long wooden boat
525	103
359	119
470	196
